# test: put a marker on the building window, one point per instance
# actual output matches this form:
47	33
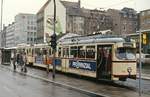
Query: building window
34	28
23	17
28	27
148	21
148	12
143	13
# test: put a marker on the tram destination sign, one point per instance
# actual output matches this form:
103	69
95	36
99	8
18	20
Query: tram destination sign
128	44
86	65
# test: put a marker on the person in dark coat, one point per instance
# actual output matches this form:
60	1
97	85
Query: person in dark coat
14	60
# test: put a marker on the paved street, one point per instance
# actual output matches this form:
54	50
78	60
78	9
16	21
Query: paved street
16	85
102	88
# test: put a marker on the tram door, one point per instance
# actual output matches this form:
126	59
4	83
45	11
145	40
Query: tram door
104	61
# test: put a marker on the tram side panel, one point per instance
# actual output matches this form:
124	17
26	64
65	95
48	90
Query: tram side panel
83	67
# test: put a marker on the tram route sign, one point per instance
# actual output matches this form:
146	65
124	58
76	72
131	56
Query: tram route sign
85	65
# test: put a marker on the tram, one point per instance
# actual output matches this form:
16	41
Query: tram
96	56
100	57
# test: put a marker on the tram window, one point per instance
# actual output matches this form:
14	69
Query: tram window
81	52
65	52
59	52
27	51
32	51
125	53
90	52
37	51
50	53
73	51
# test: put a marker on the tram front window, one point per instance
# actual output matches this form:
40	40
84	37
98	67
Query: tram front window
126	53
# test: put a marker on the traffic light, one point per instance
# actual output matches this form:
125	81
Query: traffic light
144	36
53	41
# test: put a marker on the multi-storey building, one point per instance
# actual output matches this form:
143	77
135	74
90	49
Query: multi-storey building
67	16
124	21
96	20
145	19
10	39
144	24
3	37
71	18
25	28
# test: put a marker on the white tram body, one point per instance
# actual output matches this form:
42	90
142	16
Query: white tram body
96	56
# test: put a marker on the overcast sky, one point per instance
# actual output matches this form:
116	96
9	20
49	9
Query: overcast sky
13	7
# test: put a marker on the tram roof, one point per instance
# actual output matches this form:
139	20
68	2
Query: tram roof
10	48
92	39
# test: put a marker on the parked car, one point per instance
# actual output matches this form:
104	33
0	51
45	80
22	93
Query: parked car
145	58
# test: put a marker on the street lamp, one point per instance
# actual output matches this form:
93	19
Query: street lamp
53	43
140	63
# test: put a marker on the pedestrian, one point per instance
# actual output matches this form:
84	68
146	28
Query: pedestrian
24	61
20	61
0	57
14	60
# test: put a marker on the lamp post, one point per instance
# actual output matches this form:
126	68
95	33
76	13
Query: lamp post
140	63
54	36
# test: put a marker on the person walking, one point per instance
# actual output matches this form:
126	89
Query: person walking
14	60
24	61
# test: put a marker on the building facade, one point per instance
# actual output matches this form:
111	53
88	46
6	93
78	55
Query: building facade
144	24
10	32
25	28
71	18
124	21
45	20
3	37
145	19
96	20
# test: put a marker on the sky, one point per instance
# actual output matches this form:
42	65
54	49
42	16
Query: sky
13	7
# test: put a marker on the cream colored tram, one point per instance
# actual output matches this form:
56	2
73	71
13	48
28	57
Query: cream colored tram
29	52
98	57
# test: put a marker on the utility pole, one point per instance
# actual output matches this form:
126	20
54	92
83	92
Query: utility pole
54	42
1	20
140	64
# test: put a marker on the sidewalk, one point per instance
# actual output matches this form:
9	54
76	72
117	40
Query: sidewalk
99	88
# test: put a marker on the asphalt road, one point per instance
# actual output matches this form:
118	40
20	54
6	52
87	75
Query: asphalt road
36	88
15	85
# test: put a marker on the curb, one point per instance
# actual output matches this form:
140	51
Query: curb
61	84
144	78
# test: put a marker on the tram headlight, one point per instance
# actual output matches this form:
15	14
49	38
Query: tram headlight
129	69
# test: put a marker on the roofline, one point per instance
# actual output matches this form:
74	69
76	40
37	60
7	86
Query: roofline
145	10
44	6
